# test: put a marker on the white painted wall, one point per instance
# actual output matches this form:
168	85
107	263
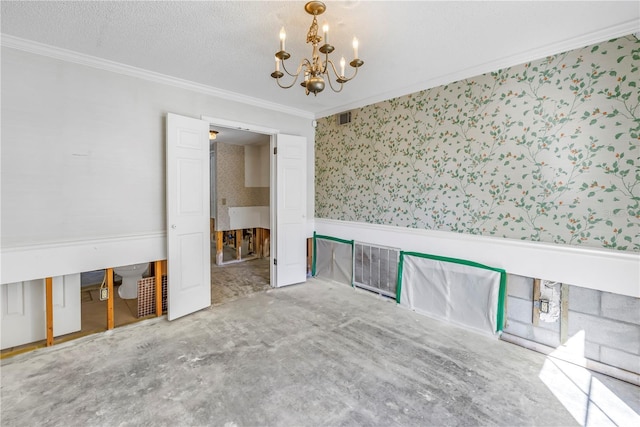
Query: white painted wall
83	163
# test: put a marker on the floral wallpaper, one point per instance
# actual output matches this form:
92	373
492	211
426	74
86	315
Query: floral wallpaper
545	151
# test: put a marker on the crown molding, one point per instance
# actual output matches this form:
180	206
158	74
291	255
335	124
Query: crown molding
624	29
116	67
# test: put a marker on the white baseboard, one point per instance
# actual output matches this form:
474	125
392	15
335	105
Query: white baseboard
601	269
49	260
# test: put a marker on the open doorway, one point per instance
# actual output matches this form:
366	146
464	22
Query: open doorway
288	201
240	212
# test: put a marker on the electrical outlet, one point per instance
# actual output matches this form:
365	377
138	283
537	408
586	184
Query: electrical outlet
104	294
544	305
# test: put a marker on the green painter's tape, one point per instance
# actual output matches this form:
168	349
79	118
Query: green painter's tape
501	291
314	256
501	298
334	239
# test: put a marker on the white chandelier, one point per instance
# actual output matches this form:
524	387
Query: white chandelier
315	68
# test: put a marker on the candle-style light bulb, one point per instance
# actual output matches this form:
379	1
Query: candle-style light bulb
325	30
342	63
355	48
283	36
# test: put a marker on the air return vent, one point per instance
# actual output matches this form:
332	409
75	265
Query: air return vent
376	268
344	118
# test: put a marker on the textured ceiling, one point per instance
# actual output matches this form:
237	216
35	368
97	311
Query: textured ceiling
406	46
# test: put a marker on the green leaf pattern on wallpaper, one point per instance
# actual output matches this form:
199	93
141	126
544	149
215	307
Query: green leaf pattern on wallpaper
546	151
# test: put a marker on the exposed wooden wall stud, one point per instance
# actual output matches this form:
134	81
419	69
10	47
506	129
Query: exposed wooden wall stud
49	309
110	300
219	247
158	272
238	245
309	254
258	242
536	302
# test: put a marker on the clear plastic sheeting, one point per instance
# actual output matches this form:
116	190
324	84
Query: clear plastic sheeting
333	259
457	291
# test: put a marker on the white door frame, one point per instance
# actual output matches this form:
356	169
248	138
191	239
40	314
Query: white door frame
214	121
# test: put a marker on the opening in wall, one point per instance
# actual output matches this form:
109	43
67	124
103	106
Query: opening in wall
375	268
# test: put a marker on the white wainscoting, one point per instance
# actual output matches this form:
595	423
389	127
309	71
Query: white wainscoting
39	261
249	217
605	270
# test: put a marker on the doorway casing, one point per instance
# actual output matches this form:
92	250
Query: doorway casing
273	173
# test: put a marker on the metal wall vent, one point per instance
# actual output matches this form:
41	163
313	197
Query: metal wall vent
376	268
344	118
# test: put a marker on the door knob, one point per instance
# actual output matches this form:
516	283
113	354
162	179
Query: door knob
173	226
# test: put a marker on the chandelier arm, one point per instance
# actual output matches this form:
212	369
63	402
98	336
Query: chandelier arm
325	65
297	73
333	66
328	74
331	85
352	77
291	85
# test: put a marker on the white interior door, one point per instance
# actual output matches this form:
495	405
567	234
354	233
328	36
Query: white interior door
23	311
66	304
188	247
22	315
290	248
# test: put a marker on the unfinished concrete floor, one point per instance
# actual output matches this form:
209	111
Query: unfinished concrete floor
235	280
306	355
